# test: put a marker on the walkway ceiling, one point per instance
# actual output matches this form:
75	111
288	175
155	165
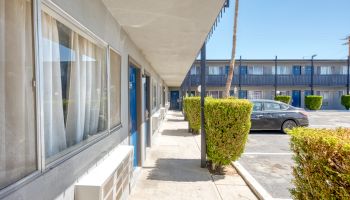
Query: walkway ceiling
169	33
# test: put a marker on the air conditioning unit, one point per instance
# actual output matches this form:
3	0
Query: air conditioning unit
108	180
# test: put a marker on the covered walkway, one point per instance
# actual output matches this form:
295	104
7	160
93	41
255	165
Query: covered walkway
172	169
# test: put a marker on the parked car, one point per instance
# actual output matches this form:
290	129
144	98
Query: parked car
275	115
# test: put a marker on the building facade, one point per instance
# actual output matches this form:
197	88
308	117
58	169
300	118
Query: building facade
262	79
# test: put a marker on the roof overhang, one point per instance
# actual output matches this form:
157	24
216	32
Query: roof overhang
169	33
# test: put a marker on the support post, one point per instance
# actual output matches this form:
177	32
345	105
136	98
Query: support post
203	85
275	76
312	74
240	76
348	77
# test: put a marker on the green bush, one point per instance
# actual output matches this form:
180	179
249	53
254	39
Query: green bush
345	101
227	124
322	163
283	99
313	102
192	110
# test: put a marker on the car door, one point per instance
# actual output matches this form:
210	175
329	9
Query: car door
257	116
273	116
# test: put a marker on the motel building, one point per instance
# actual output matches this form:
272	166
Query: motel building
84	86
264	78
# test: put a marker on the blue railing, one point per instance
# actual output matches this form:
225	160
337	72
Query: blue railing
269	80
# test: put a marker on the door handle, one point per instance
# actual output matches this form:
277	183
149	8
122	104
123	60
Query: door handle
258	116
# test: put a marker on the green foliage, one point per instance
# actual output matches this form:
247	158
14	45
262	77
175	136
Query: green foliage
192	108
283	99
345	101
313	102
322	163
227	124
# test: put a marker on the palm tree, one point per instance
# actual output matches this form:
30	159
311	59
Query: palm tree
232	62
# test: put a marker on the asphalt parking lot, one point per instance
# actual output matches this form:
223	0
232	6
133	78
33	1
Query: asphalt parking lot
268	158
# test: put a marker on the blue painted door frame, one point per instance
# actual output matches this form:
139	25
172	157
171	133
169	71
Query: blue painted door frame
296	98
134	135
174	100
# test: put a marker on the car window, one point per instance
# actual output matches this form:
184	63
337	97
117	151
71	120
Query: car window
257	106
284	107
268	106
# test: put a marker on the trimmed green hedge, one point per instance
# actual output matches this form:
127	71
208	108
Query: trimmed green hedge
283	99
192	108
345	101
227	125
313	102
322	163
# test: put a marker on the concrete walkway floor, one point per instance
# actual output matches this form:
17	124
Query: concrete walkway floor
172	169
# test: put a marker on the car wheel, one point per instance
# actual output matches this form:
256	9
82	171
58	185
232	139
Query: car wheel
289	124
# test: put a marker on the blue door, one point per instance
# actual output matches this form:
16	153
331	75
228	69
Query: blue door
296	70
174	100
243	94
296	98
243	70
133	112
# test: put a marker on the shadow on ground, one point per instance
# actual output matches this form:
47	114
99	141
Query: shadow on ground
179	170
177	133
267	132
175	120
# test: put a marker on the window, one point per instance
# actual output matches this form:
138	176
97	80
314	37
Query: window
257	106
215	70
325	70
325	97
115	67
194	70
254	94
75	87
344	70
281	70
18	156
271	106
256	70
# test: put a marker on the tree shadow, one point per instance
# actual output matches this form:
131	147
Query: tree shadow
179	170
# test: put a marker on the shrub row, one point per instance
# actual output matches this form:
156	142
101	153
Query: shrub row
227	124
345	101
322	163
284	99
313	102
192	111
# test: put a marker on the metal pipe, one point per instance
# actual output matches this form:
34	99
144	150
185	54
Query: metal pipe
239	76
203	85
275	76
312	74
348	77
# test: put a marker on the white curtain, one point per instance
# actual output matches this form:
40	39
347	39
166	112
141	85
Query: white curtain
55	136
17	116
85	91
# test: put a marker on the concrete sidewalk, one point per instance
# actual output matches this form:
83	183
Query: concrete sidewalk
172	169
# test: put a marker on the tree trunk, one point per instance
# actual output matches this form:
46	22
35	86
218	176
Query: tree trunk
232	62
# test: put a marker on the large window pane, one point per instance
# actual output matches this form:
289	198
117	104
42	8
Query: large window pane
17	95
75	87
115	67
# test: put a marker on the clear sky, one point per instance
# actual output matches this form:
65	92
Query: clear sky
290	29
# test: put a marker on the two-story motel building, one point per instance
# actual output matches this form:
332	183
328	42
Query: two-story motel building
257	79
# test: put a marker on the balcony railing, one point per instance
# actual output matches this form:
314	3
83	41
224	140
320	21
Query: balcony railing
266	80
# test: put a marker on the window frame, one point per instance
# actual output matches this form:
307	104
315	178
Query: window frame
60	15
120	124
36	34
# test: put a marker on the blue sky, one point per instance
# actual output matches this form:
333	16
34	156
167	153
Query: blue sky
290	29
